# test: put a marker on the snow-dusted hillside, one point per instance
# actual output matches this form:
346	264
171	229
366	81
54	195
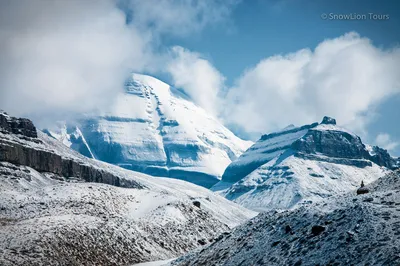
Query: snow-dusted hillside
342	230
154	128
302	165
49	215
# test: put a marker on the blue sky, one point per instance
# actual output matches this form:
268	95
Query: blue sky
259	29
257	65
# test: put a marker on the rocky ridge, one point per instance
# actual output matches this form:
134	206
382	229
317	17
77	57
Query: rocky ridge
19	145
58	207
302	165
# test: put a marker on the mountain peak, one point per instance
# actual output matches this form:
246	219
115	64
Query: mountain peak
328	120
301	165
153	128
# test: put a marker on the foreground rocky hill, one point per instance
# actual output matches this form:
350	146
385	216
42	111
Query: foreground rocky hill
300	165
58	207
349	229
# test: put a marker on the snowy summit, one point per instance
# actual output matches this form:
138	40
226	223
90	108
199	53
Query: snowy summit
301	165
155	129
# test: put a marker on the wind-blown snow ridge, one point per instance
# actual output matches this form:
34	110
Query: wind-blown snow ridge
154	128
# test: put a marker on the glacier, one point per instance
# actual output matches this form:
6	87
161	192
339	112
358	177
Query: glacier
155	129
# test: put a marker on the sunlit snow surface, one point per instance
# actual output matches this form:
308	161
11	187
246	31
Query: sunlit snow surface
44	220
154	128
354	230
271	175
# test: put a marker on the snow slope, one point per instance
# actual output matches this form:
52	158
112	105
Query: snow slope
300	166
268	147
342	230
52	219
154	128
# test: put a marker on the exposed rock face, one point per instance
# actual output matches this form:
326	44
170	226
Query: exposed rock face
45	220
21	126
300	165
328	120
343	145
43	161
49	216
331	143
382	157
15	149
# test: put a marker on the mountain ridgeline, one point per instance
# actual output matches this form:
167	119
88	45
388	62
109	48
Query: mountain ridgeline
155	129
58	207
300	165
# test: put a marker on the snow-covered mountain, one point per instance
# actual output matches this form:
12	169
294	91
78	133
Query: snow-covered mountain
155	129
58	207
348	229
302	164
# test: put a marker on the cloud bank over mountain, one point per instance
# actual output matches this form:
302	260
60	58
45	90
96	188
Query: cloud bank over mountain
198	77
345	77
65	58
61	58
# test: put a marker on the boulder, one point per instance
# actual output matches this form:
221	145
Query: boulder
317	229
196	203
362	190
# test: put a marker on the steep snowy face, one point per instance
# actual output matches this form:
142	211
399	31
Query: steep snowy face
264	150
302	165
154	128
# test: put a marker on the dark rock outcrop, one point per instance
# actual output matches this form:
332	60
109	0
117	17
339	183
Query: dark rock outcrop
196	203
382	157
43	160
21	126
343	146
317	229
331	143
328	120
46	161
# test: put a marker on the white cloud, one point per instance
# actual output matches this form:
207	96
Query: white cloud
67	57
176	16
61	57
345	77
197	77
384	140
